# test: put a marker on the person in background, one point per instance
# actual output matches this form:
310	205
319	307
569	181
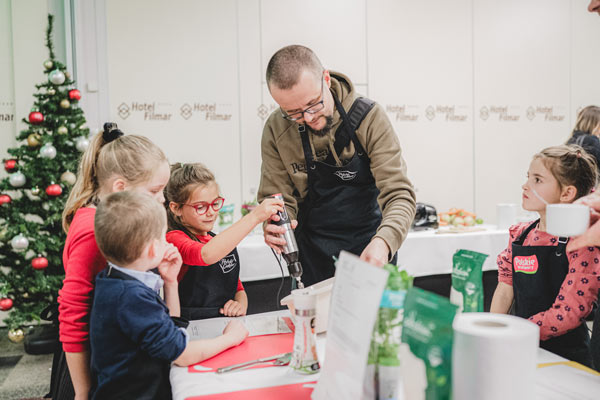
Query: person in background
550	286
594	6
587	131
113	162
133	338
209	280
337	161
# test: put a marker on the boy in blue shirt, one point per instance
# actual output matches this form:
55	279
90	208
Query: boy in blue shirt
133	338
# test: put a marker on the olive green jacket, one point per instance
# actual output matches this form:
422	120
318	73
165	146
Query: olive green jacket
284	168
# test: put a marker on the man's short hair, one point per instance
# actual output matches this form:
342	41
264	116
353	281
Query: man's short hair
286	66
125	223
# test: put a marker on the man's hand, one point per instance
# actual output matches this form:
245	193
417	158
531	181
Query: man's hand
274	234
376	253
170	265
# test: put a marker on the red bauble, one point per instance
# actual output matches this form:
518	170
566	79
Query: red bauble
10	165
54	190
36	117
6	304
39	263
74	94
4	199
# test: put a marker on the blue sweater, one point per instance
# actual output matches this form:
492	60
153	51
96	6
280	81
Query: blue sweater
133	339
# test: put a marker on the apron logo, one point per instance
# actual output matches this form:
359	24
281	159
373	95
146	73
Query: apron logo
527	265
228	263
346	175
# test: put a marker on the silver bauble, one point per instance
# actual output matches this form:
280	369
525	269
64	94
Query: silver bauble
48	151
82	143
19	242
56	77
17	179
68	177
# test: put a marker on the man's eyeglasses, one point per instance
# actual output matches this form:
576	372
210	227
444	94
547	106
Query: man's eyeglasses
202	207
315	108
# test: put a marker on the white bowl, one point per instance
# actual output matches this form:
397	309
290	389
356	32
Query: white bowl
323	292
567	219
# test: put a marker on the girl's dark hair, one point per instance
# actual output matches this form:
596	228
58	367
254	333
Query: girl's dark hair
571	165
185	178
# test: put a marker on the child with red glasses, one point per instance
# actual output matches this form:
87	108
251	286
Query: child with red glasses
209	284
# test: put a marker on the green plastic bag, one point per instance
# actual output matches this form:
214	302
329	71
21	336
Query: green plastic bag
427	346
467	284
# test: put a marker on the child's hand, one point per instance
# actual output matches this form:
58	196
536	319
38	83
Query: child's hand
170	264
236	331
233	309
267	208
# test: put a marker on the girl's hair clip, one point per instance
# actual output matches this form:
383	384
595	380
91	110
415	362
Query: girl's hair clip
111	132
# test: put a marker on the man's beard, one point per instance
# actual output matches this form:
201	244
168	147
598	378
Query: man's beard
325	130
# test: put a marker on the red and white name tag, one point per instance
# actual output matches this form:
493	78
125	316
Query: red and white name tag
526	264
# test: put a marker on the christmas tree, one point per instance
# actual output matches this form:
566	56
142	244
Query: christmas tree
32	197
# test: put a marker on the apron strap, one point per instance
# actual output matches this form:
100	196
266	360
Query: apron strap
351	121
562	241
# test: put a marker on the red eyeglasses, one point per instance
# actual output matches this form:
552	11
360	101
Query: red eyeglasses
202	207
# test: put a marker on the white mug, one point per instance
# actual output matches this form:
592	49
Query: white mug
506	215
567	219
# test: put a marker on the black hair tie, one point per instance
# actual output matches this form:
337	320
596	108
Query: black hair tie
111	132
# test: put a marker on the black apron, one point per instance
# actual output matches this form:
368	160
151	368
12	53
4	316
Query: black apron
340	211
204	290
537	279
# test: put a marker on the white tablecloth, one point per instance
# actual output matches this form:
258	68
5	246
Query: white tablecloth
422	253
552	383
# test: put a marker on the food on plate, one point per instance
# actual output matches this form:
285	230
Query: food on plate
459	217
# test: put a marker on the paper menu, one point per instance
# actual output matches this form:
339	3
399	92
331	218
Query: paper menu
354	303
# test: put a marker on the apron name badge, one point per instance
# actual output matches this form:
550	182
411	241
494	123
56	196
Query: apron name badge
526	264
346	175
228	263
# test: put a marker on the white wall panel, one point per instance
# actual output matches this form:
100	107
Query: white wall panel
173	76
420	70
521	81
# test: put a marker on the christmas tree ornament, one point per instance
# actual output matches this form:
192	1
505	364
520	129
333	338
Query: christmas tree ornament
4	199
48	64
64	103
33	140
51	91
62	130
25	295
35	191
19	242
3	233
10	165
82	143
39	263
68	177
67	74
56	77
48	151
54	190
36	117
16	335
74	94
17	179
6	304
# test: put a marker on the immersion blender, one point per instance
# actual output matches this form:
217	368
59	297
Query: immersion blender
290	249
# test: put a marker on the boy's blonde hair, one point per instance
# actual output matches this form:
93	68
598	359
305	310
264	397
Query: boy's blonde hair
571	165
132	157
125	223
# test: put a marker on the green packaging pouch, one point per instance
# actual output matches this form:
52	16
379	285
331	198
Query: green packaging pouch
467	284
426	350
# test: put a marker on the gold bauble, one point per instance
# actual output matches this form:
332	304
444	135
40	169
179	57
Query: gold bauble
67	75
33	140
51	91
16	335
62	130
65	103
48	64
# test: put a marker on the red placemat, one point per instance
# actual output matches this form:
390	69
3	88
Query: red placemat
254	347
294	391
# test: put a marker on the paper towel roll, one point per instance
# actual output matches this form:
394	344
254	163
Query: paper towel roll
494	356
